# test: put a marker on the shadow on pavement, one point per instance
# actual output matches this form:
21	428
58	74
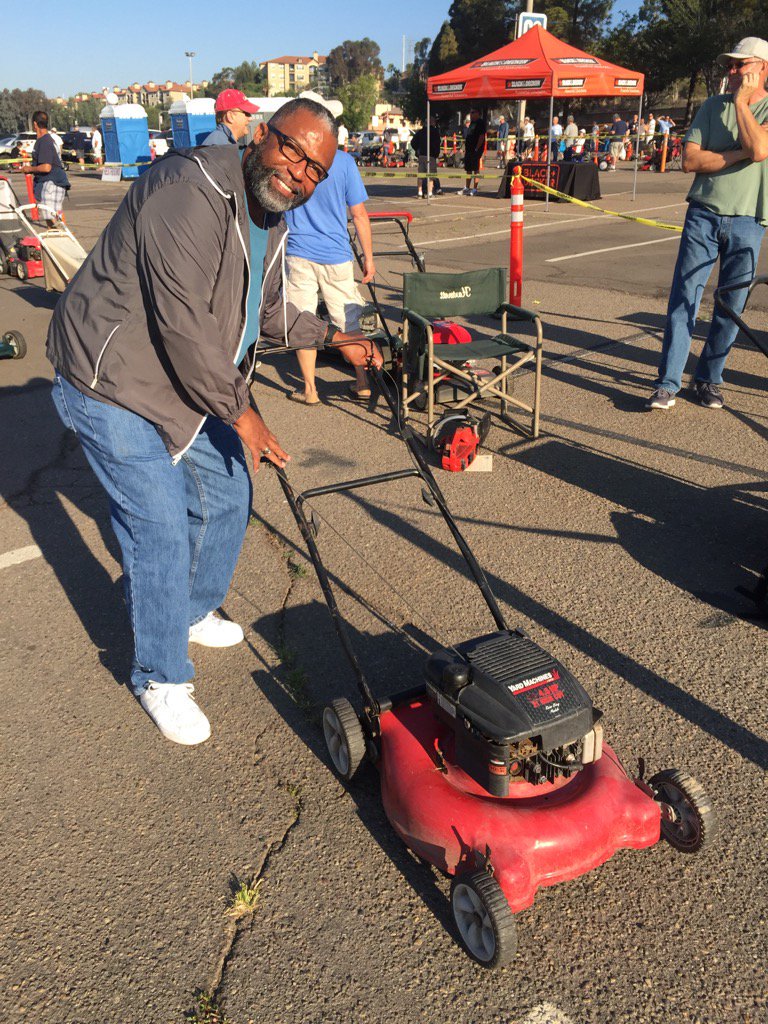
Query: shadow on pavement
57	477
391	663
659	545
671	527
37	296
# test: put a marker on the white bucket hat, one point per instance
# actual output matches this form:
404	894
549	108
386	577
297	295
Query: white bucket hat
752	46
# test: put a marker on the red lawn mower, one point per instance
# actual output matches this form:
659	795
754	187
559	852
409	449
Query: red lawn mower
494	768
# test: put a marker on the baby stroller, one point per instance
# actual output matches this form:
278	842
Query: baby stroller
27	251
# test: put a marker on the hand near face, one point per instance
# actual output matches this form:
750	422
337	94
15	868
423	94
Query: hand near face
750	82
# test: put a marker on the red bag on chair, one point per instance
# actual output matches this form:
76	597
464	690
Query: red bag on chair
446	333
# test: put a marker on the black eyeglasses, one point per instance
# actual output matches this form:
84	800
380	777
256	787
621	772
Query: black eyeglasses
738	64
294	154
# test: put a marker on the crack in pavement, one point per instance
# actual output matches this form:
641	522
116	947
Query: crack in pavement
243	919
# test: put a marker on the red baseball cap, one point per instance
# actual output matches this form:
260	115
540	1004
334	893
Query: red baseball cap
233	99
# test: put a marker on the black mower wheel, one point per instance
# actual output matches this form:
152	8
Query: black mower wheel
16	342
485	923
693	824
344	737
21	271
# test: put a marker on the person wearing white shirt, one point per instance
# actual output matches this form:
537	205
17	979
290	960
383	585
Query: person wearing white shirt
96	145
554	138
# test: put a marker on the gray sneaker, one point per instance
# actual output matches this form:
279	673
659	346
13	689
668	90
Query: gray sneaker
709	395
660	399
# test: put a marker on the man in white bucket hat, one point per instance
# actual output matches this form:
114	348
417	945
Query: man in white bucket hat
726	147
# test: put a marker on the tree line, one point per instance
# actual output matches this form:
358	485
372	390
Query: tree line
669	41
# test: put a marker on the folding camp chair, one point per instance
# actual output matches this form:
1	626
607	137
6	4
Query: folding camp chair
427	365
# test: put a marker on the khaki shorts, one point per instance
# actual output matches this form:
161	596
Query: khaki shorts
334	283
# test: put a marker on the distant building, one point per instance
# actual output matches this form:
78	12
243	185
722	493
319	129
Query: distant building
150	94
385	115
294	74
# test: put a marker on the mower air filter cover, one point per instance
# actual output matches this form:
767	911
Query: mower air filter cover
515	691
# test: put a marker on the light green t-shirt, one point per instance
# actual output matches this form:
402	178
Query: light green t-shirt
737	191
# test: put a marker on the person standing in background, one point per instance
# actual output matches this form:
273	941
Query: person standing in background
727	149
319	264
474	147
233	116
427	185
96	144
51	183
502	141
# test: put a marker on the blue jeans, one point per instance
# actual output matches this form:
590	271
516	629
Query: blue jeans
707	235
180	527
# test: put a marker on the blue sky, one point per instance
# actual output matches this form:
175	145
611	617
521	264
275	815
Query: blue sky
94	45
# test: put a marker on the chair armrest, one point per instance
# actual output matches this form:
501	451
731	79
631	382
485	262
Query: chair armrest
518	313
416	319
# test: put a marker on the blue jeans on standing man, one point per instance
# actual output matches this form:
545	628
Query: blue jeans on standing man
707	236
180	527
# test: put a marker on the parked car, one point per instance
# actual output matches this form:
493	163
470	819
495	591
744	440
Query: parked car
25	141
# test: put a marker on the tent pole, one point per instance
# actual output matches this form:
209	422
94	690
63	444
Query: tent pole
429	180
549	150
637	149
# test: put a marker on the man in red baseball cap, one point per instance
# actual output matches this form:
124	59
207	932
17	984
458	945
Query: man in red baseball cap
233	112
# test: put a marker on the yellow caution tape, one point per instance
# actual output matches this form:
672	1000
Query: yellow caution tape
591	206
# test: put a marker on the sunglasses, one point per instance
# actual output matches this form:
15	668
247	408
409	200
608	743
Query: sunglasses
294	154
737	65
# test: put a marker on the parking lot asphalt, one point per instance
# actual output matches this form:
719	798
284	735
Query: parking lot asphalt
617	540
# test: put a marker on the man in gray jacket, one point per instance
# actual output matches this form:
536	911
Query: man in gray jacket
150	344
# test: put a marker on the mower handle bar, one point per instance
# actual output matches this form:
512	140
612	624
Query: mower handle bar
394	215
732	315
421	470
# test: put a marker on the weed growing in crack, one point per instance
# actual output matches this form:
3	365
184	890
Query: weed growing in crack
245	897
207	1011
294	677
297	684
297	570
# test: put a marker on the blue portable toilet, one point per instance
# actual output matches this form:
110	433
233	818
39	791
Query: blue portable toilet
126	137
192	121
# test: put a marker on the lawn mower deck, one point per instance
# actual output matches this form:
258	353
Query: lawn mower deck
494	769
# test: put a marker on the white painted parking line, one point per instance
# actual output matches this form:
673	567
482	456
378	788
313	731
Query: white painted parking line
556	222
614	248
20	555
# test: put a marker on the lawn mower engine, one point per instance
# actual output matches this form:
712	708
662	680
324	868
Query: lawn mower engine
516	714
25	258
457	438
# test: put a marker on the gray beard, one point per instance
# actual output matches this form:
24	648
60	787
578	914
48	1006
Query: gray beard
257	182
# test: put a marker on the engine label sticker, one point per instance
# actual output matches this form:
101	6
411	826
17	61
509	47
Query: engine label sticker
548	697
534	681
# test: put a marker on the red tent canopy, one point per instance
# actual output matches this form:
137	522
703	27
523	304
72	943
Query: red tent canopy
535	66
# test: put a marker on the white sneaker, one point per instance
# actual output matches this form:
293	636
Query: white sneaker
215	632
172	708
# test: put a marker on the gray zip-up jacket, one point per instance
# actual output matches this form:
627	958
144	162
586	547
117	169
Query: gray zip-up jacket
152	321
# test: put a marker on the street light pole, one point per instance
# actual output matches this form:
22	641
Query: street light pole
190	54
